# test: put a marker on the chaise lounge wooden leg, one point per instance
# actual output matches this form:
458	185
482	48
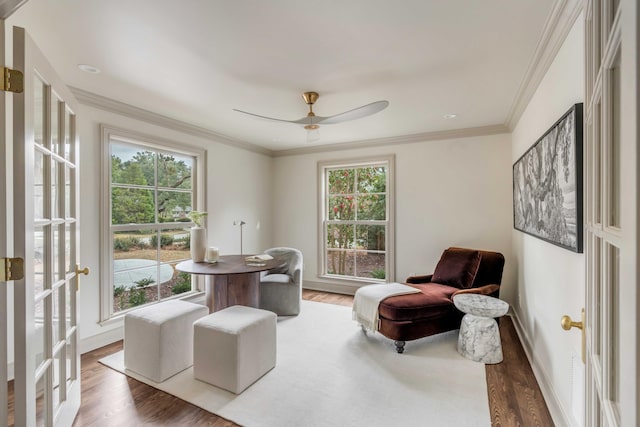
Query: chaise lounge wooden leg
400	346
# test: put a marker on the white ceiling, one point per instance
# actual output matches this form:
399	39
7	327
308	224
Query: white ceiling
196	60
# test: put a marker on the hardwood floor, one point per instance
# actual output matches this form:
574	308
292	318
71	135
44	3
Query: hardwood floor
112	399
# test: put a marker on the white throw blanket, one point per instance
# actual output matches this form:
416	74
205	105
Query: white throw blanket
367	299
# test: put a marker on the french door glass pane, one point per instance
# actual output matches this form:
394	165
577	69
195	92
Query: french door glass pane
68	143
55	128
67	248
55	189
67	192
615	321
57	273
57	372
596	256
56	315
597	165
40	406
71	361
41	253
40	341
38	106
614	149
38	184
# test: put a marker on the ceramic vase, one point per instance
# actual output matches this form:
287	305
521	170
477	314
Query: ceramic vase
198	244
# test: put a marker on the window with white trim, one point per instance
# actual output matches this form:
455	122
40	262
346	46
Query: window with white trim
150	187
356	237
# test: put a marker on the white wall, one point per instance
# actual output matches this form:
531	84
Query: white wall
448	193
238	187
550	280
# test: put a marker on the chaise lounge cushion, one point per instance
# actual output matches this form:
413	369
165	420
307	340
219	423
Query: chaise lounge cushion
457	267
434	300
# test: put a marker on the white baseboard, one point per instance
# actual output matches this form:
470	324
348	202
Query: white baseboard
330	287
556	410
100	340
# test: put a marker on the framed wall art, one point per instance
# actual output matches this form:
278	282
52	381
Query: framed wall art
547	184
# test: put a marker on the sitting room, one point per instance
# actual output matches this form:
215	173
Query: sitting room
295	213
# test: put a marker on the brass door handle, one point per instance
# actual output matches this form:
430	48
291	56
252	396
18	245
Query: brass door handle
567	324
79	271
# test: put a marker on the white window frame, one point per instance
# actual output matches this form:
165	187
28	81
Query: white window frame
118	135
323	221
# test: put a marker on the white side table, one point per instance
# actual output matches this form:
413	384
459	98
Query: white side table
479	338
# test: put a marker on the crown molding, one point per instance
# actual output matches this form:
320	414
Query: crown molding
98	101
397	140
555	31
8	7
107	104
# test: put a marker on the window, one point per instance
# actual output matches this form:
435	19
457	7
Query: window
356	200
150	188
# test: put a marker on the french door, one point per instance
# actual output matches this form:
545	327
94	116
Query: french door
611	213
46	236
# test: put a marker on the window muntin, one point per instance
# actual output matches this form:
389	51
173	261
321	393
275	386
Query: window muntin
356	220
152	187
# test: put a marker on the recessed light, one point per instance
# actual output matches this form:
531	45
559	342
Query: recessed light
89	68
450	116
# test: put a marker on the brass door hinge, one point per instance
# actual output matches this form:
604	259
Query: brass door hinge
12	81
11	269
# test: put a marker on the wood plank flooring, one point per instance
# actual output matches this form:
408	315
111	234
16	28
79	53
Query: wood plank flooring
112	399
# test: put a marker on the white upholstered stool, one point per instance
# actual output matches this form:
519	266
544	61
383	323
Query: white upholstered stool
479	337
234	347
158	339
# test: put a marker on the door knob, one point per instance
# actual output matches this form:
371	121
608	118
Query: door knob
567	324
79	271
84	271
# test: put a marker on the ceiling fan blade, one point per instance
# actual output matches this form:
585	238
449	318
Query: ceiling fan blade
356	113
270	118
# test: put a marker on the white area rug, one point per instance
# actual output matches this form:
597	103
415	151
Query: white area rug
329	373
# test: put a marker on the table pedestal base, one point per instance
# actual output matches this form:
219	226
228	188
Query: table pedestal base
479	339
225	290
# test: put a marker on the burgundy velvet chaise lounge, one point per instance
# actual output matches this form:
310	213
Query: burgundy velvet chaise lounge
431	311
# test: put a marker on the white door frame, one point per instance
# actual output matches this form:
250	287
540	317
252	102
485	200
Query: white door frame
4	253
7	8
612	226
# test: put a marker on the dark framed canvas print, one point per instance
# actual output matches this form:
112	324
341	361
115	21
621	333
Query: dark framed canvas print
547	184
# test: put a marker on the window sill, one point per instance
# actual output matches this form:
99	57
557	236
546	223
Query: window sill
193	296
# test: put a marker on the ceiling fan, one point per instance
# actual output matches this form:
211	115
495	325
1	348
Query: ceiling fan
312	122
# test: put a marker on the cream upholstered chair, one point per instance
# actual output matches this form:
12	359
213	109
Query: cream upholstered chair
281	288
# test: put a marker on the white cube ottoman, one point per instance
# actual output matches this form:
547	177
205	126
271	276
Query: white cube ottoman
234	347
158	339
